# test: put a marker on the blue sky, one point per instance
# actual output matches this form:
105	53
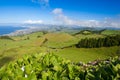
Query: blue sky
70	12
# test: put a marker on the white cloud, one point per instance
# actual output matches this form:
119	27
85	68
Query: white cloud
59	16
88	23
43	3
63	19
57	11
33	22
114	21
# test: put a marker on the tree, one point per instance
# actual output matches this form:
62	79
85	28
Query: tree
100	42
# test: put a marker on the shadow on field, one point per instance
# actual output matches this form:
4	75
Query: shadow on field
5	60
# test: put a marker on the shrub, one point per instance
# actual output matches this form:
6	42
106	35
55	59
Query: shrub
51	67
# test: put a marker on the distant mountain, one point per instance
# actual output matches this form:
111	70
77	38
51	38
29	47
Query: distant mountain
30	28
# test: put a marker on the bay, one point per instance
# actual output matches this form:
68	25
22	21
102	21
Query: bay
9	29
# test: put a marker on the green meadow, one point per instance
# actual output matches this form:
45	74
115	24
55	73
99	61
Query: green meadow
61	44
86	55
110	32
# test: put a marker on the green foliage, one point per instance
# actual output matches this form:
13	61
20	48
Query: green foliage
105	70
6	37
87	54
100	42
87	32
61	44
59	40
51	67
110	32
40	66
118	51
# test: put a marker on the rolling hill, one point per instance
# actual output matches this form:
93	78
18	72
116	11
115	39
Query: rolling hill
59	43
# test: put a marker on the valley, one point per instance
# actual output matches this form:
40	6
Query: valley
59	43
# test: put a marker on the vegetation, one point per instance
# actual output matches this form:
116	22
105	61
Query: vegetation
6	37
86	54
100	42
110	32
81	36
62	44
52	67
87	32
59	40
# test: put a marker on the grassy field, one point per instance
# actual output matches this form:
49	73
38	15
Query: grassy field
34	43
81	36
86	55
110	32
59	40
11	50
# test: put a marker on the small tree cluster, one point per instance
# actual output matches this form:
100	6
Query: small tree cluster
5	37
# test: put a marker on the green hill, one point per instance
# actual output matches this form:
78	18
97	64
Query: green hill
110	32
58	43
59	40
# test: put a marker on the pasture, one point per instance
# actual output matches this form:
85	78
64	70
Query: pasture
61	44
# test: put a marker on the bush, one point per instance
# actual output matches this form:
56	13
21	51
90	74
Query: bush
118	51
51	67
5	37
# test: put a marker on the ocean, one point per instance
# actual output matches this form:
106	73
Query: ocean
8	29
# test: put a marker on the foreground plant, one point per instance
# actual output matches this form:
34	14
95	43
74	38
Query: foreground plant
51	67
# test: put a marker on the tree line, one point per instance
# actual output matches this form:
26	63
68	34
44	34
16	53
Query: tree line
90	32
100	42
6	37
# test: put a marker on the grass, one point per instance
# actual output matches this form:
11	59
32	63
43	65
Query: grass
110	32
19	47
59	37
86	54
82	36
59	40
11	50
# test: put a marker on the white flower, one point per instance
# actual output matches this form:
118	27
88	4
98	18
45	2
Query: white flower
23	68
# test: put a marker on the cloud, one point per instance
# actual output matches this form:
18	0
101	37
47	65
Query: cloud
88	23
59	16
63	19
33	22
57	11
43	3
114	21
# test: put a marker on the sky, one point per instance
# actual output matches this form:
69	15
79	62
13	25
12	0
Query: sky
98	13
